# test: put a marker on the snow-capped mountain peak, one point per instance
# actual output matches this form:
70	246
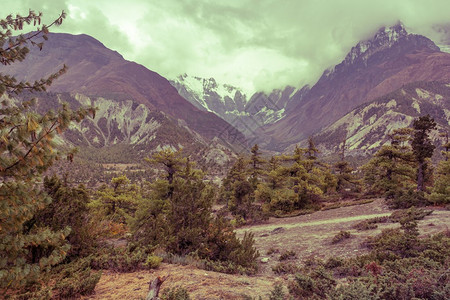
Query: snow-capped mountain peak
384	38
246	112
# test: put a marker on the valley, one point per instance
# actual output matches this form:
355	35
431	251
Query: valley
332	186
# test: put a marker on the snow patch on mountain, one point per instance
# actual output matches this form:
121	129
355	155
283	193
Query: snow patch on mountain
232	104
384	38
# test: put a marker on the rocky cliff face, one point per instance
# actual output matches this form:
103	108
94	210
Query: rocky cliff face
367	127
127	132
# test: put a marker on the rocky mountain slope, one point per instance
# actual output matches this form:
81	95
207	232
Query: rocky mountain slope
391	59
121	135
366	128
97	71
245	112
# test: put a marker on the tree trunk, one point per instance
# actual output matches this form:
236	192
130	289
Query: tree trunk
154	288
420	177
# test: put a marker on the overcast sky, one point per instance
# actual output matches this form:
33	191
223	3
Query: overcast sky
254	44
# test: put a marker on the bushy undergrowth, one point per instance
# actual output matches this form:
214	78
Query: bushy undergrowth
125	259
277	293
177	293
75	279
288	254
340	236
406	198
412	213
400	265
370	223
65	281
285	268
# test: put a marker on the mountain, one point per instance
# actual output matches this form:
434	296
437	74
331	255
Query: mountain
124	133
245	112
366	128
96	71
208	95
375	67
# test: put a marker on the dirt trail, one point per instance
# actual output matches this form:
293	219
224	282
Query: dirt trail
307	235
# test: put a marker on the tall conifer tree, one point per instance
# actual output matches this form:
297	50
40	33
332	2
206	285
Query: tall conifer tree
422	146
26	151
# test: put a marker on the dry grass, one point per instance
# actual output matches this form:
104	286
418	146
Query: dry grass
199	283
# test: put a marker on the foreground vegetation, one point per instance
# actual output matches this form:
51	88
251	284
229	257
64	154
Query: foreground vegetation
399	265
55	238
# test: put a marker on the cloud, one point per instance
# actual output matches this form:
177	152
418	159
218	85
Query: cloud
255	44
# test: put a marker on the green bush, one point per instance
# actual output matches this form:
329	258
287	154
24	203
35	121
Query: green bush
153	261
223	246
81	283
74	279
227	267
289	254
365	225
412	213
407	198
177	293
334	262
400	265
277	293
121	259
370	223
314	284
69	207
340	236
272	250
285	268
354	290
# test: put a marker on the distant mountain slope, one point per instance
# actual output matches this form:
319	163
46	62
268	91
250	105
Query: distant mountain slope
371	69
366	128
245	112
126	132
95	70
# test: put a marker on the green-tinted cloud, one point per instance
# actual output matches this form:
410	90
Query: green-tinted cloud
257	44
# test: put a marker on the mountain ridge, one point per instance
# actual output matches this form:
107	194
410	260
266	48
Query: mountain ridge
359	79
97	71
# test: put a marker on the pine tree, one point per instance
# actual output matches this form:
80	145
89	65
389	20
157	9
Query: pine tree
256	163
118	202
422	146
312	151
172	161
26	151
183	222
305	176
392	167
440	193
69	207
345	180
274	178
190	210
238	189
